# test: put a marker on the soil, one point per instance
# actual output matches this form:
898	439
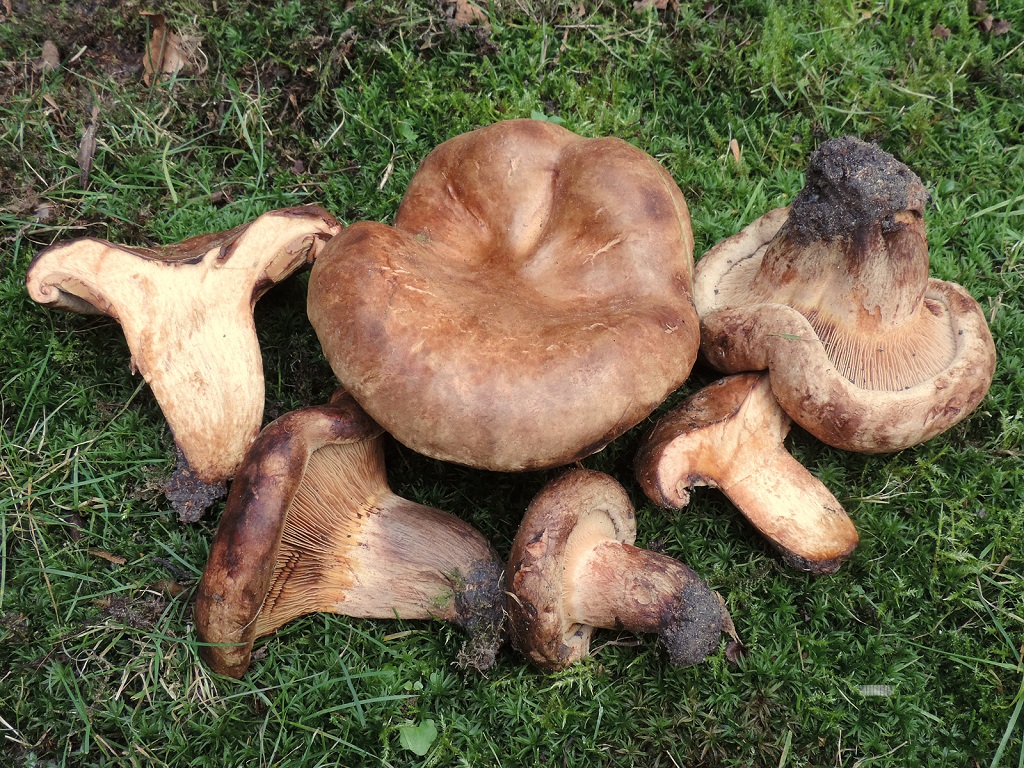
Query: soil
851	186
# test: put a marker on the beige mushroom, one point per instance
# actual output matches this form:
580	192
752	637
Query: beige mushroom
573	568
311	525
186	312
530	304
833	298
730	436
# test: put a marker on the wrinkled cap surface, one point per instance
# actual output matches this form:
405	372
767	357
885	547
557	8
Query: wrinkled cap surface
530	304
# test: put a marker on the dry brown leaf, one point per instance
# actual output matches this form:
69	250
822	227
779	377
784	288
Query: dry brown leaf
979	7
658	5
466	13
110	558
87	148
51	57
985	25
168	587
1000	27
941	32
735	651
734	147
221	197
167	52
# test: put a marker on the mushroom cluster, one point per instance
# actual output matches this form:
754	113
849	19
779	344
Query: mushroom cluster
535	298
830	299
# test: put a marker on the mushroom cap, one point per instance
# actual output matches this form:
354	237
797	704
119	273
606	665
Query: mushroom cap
186	313
530	304
311	525
563	521
833	297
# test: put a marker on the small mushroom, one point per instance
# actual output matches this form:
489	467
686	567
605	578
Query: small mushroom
186	312
534	295
833	298
311	525
730	436
574	568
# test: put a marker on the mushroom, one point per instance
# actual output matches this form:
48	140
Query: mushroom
574	568
186	312
730	436
833	298
530	304
311	525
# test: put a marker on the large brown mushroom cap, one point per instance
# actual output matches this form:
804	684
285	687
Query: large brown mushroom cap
311	525
531	303
186	313
573	568
730	436
832	296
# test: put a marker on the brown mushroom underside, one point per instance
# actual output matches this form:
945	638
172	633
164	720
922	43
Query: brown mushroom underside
311	525
531	303
832	296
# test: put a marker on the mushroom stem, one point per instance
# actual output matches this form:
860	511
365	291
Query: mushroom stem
860	214
620	586
730	436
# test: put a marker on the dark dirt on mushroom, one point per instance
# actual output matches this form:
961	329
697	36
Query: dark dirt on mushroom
851	185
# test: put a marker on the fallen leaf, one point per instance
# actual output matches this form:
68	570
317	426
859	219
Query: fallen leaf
657	5
87	148
221	196
110	558
167	53
1000	27
734	147
985	25
979	7
941	32
465	13
735	651
51	57
74	521
168	587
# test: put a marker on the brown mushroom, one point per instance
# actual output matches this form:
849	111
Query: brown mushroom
833	298
574	568
311	525
530	304
730	436
186	312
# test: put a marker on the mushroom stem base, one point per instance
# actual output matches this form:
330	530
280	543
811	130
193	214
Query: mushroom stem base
643	591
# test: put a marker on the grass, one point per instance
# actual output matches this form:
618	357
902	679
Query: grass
910	655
